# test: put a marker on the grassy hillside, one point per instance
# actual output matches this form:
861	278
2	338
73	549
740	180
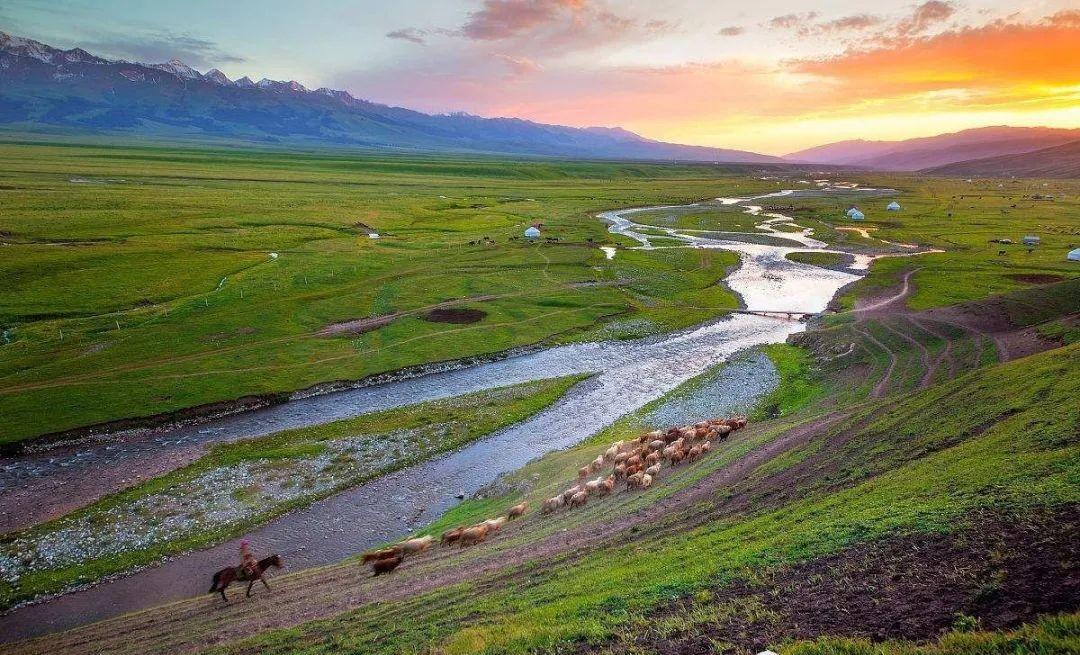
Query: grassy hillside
939	518
1059	161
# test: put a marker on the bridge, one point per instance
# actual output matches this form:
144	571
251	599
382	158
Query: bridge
792	315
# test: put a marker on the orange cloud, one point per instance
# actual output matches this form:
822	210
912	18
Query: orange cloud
1021	60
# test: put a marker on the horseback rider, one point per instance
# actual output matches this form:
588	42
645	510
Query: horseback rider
249	566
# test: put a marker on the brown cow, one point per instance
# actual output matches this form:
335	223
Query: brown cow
387	565
451	536
380	554
517	511
473	535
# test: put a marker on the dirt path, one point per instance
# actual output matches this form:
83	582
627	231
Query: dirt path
882	385
924	354
201	622
886	303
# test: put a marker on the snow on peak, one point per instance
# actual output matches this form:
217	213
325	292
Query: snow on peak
217	77
179	69
244	82
17	45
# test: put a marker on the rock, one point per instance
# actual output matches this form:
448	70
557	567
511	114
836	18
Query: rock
461	496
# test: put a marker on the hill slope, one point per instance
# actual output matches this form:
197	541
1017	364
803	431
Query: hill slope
47	89
927	152
1057	162
895	519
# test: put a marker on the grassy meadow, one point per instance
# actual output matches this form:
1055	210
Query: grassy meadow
146	280
140	281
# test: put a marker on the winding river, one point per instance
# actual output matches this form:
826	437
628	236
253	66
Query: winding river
628	375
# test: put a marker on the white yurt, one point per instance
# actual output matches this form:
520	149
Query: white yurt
856	215
532	234
893	206
1074	255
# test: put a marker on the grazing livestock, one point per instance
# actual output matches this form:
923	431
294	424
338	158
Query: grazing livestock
620	471
569	493
677	457
417	545
592	486
380	554
611	453
657	445
494	525
451	536
473	535
706	447
652	458
579	499
583	472
552	504
621	457
517	511
633	461
607	485
596	464
646	481
694	453
634	480
653	470
387	565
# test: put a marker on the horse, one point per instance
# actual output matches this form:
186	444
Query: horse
225	577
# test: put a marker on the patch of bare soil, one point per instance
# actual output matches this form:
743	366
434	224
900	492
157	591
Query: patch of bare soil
1003	571
1036	278
447	309
357	326
457	315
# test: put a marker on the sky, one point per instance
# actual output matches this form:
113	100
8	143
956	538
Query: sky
772	76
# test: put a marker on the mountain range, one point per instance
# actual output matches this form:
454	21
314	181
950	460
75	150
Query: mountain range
1057	162
44	88
47	89
934	151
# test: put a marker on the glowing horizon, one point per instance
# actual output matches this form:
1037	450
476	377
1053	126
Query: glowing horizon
774	78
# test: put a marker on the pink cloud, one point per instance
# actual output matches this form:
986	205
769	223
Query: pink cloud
501	19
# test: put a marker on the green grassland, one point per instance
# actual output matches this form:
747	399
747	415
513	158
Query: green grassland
140	281
429	429
961	218
999	439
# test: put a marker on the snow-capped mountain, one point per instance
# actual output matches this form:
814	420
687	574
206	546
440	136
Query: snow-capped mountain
44	88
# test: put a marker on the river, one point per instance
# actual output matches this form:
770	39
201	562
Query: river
628	375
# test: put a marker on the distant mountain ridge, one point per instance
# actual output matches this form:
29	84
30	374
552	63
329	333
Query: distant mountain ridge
43	88
929	152
1057	162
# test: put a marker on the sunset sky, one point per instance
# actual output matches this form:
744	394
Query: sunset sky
771	76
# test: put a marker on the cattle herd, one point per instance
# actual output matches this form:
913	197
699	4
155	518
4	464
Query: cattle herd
634	462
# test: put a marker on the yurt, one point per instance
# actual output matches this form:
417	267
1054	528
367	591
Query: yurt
1074	255
893	206
532	233
1031	240
856	215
